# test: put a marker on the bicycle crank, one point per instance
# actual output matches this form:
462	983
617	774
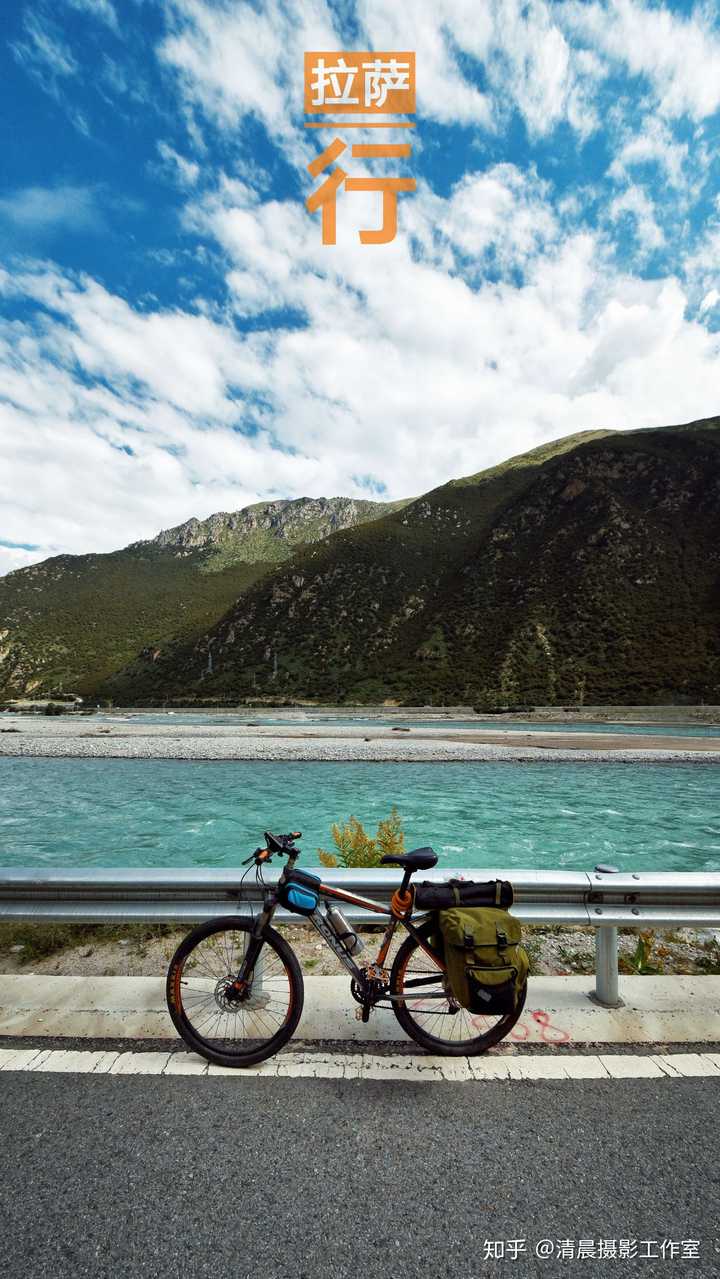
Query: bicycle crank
367	994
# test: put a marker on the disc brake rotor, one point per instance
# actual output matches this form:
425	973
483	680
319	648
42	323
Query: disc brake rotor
231	1000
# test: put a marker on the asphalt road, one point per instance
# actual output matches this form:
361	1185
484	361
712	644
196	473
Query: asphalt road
347	1179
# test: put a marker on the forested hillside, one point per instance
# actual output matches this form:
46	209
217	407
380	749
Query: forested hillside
69	623
587	570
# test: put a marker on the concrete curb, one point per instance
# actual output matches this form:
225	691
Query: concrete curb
558	1010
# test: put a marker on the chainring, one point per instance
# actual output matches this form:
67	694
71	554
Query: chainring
369	993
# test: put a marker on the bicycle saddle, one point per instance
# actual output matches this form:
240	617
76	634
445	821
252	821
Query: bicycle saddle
418	859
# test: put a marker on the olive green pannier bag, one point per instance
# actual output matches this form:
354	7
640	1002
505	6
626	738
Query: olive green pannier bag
486	964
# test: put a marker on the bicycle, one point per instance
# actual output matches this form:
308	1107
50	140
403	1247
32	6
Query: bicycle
235	988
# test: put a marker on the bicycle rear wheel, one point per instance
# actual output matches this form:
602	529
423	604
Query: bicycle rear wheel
430	1016
228	1028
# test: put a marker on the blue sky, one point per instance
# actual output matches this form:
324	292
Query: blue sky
175	339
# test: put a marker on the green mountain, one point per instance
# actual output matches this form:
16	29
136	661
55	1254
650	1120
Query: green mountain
586	570
71	622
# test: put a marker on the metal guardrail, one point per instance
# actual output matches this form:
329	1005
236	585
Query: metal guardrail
603	899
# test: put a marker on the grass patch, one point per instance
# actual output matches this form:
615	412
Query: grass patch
709	961
532	941
39	941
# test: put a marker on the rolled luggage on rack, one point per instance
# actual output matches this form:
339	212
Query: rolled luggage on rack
463	892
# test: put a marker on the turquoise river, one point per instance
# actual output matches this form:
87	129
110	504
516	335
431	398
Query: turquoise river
109	812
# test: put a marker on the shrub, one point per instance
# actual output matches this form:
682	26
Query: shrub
356	848
640	963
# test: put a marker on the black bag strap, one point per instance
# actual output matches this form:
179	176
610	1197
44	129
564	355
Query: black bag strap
455	885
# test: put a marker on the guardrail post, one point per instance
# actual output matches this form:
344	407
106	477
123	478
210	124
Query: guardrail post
606	968
606	959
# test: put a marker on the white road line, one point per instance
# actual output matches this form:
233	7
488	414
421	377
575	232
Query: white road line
104	1062
21	1058
690	1064
139	1063
67	1062
562	1067
625	1066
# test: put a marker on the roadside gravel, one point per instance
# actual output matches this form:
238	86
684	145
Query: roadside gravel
139	951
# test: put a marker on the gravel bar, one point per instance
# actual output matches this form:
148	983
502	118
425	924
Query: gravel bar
352	743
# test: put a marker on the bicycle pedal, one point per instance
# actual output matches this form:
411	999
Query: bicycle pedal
358	1014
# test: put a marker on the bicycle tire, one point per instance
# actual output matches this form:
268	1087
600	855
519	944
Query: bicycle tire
494	1028
222	1050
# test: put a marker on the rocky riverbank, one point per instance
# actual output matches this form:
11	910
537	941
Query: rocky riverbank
84	738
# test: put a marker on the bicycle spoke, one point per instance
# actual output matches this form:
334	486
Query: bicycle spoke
207	992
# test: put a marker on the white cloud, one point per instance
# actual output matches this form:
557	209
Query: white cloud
243	60
49	60
520	48
406	371
635	203
12	557
41	208
237	61
677	55
535	60
185	172
43	51
101	9
651	143
503	209
439	33
701	268
185	360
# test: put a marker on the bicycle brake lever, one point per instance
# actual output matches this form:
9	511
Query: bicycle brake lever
256	857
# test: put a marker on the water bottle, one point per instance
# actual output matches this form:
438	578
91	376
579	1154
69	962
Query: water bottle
343	931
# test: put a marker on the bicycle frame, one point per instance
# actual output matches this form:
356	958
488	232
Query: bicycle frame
377	970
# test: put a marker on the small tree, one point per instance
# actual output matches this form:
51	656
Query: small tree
356	848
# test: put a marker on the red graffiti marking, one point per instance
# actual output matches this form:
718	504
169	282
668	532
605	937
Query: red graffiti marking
556	1036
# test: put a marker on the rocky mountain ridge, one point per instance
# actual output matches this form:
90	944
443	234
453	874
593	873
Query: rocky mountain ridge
265	530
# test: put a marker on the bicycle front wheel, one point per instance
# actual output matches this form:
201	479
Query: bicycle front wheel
428	1013
228	1029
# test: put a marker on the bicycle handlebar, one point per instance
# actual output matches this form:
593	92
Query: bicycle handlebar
274	844
281	843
